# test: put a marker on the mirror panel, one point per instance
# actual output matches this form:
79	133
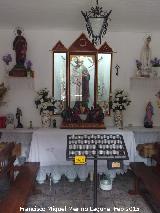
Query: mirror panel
82	78
59	84
104	80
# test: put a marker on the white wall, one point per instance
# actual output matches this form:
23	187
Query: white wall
126	44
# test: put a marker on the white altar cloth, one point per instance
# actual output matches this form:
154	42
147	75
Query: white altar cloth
48	146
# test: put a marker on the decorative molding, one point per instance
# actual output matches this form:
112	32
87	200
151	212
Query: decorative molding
82	125
59	47
82	44
105	48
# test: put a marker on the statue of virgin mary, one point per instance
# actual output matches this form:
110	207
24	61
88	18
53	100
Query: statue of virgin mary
145	58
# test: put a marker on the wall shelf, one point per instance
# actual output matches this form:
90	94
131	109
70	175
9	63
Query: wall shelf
145	78
151	83
141	129
21	83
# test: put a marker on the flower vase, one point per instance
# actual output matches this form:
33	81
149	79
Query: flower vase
118	119
46	119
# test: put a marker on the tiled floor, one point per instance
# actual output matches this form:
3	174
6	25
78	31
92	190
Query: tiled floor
75	197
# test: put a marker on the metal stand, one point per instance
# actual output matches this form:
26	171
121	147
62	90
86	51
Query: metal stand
95	185
110	147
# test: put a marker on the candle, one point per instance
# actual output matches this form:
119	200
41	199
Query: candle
91	176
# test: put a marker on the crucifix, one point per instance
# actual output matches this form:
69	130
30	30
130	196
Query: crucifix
117	67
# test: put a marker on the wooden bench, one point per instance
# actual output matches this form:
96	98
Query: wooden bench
150	179
20	189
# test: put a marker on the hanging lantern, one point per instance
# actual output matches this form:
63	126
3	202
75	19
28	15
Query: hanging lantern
96	22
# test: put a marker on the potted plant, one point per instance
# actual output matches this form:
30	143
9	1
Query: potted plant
45	103
156	66
139	68
7	59
119	102
29	69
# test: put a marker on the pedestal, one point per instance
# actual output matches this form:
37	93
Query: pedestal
18	71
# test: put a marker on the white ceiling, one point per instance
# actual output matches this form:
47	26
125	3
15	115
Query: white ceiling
127	15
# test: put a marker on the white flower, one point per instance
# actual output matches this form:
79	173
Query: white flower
44	105
50	104
119	95
113	105
125	94
52	99
44	101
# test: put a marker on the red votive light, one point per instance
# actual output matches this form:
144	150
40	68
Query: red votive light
2	122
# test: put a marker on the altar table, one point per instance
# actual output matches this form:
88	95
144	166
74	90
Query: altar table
48	146
55	139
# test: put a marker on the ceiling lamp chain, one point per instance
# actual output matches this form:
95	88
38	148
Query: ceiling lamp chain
96	22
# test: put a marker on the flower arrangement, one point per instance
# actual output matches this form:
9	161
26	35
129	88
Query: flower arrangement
44	101
7	59
155	62
28	65
120	100
139	64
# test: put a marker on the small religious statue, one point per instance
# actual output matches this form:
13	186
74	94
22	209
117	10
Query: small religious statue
20	47
95	114
54	123
148	123
30	125
145	58
18	117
